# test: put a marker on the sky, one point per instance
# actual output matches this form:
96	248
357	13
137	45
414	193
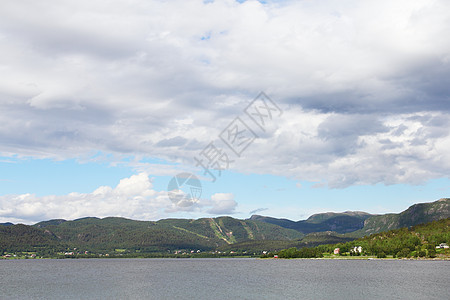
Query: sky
278	108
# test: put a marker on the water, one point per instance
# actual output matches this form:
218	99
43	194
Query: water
223	279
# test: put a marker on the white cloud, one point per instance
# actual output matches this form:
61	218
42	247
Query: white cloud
361	84
222	203
344	150
133	197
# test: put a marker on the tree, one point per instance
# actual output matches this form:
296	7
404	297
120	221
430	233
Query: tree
422	253
431	253
405	252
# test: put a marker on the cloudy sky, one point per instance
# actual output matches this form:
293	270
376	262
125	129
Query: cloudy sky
102	103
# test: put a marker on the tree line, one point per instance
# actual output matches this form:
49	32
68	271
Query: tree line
416	241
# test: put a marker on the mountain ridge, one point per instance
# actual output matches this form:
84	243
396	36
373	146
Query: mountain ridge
205	234
344	222
416	214
358	224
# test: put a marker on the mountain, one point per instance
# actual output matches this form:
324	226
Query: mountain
109	234
44	224
255	234
19	238
6	224
358	224
414	215
423	240
310	240
348	221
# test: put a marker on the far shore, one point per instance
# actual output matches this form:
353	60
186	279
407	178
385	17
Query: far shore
254	257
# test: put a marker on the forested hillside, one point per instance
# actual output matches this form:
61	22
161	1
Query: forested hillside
416	241
358	224
226	234
416	214
348	221
109	234
420	239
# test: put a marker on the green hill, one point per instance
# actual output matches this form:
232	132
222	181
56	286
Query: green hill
44	224
358	224
419	240
339	222
108	234
27	238
310	240
414	215
205	234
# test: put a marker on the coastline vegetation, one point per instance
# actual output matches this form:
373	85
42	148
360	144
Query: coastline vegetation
422	241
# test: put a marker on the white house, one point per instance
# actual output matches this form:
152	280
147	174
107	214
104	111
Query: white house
359	249
356	249
442	246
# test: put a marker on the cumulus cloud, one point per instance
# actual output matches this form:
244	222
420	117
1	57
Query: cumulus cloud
222	203
133	197
364	86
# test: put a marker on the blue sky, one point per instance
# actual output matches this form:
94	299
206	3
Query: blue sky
101	105
255	194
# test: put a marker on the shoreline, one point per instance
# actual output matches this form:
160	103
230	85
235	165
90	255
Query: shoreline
236	257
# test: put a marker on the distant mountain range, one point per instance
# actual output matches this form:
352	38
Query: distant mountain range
258	232
107	234
414	215
358	224
348	221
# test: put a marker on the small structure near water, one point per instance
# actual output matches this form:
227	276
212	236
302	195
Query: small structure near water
442	246
356	249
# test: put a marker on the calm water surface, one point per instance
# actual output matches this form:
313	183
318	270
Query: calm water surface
223	279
